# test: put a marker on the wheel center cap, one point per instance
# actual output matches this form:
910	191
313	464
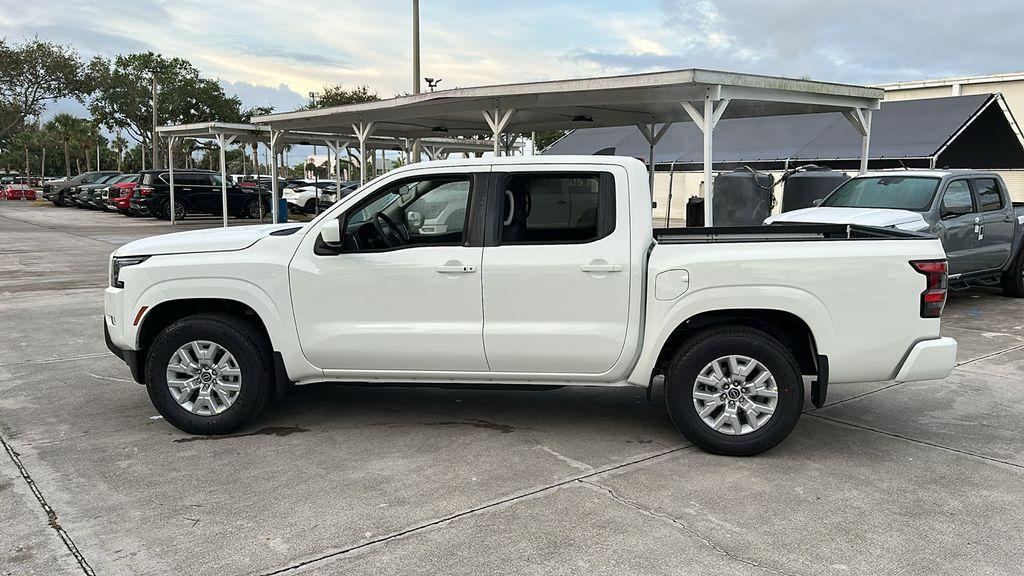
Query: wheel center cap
205	377
734	393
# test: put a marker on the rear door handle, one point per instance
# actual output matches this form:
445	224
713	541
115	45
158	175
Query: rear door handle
455	267
603	268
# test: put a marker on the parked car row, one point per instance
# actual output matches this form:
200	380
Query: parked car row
17	188
148	193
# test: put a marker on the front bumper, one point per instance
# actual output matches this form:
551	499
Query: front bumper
929	360
130	357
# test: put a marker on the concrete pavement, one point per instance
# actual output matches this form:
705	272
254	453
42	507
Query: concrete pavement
916	478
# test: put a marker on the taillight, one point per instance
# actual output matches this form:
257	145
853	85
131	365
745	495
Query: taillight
933	299
145	190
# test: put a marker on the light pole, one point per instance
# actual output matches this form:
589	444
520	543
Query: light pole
432	83
416	67
156	151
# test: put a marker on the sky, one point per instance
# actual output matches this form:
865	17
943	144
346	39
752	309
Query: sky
274	52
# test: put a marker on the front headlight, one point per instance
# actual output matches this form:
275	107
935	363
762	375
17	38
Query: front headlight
116	264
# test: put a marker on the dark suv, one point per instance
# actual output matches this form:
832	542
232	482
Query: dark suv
195	192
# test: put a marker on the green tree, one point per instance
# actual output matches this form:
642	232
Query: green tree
68	129
547	138
337	95
123	97
36	72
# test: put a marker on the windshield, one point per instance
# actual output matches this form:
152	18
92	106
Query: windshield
912	193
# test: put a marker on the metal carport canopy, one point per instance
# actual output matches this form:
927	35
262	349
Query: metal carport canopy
226	133
641	100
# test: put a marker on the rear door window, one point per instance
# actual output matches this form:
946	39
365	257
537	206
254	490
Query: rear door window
989	197
549	208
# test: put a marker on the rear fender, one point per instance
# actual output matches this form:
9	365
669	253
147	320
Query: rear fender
661	322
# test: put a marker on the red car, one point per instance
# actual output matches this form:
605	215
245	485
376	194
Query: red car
119	197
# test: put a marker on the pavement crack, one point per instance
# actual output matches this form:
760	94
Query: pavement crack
675	521
471	511
51	514
895	384
917	441
990	355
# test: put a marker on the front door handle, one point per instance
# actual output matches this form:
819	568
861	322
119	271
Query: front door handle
601	268
455	267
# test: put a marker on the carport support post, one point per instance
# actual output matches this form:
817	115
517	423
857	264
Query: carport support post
363	130
860	118
652	138
497	122
707	122
171	141
223	142
275	146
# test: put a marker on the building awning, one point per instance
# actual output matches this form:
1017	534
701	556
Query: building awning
974	131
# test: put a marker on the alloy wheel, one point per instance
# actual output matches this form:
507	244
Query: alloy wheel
204	378
735	395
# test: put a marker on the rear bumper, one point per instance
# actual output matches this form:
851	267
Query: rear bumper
929	360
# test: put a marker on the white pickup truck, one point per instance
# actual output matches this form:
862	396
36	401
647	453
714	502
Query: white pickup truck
554	277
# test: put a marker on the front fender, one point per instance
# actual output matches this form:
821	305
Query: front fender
283	338
664	317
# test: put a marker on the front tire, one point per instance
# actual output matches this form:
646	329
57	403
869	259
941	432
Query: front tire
209	373
1013	279
734	390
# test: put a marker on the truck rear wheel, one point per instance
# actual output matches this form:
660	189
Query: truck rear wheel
209	373
1013	279
734	390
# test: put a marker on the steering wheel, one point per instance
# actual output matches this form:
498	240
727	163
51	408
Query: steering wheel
390	233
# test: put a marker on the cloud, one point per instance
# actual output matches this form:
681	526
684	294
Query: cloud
280	97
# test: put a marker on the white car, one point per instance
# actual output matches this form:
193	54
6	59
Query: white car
527	291
303	198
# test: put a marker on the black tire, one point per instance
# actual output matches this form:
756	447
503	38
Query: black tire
180	210
708	345
246	344
310	207
1013	279
252	210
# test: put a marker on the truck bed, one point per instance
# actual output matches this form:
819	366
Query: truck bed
782	233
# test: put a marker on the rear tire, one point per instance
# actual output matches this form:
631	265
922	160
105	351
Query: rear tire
732	346
251	359
1013	279
310	206
180	210
252	210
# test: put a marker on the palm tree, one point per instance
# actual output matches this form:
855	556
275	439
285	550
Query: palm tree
68	128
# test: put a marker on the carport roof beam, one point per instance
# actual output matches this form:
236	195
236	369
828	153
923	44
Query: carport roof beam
590	102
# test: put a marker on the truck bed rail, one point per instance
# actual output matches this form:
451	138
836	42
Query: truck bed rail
782	233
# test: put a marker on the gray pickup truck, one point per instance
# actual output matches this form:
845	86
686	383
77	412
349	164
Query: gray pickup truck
981	230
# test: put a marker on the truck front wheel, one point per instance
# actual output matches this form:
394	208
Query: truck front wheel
209	373
734	390
1013	279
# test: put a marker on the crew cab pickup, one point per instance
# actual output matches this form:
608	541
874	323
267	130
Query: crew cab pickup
553	276
970	211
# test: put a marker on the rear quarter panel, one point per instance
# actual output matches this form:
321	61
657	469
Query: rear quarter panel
860	298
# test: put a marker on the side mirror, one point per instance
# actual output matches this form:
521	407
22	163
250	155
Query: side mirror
330	233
